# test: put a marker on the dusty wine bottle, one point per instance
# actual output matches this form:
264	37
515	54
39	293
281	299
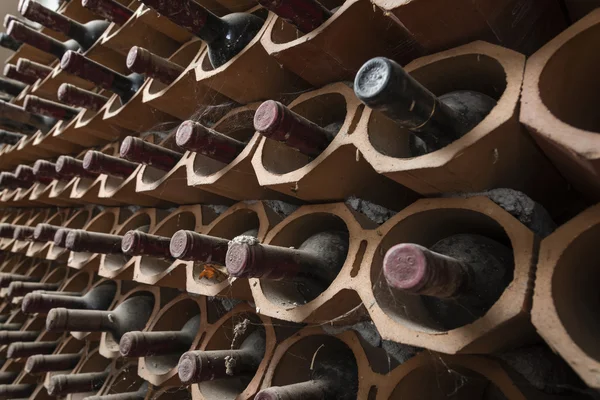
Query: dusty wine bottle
143	62
60	237
137	150
146	344
40	363
275	121
100	163
33	69
201	366
104	77
98	298
11	72
137	243
383	85
10	181
139	394
193	136
26	349
7	278
8	337
86	35
131	315
18	114
8	42
69	166
45	232
61	385
11	87
306	15
7	377
26	174
41	41
93	242
11	138
78	97
225	36
10	326
49	108
7	230
18	289
9	17
313	265
192	246
458	278
17	391
109	9
46	169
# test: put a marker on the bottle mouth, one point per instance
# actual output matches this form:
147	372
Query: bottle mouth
405	267
131	241
372	78
188	367
268	116
180	244
184	133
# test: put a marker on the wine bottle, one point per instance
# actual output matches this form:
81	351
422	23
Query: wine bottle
18	114
8	42
78	97
10	181
7	230
86	35
46	169
225	36
145	344
313	265
7	278
317	389
98	298
109	9
383	85
9	17
137	150
100	163
26	175
277	122
11	87
104	77
143	62
4	317
305	15
26	349
79	240
193	136
33	69
199	366
10	326
60	237
8	377
8	337
458	278
23	232
69	166
41	41
139	394
39	363
137	243
131	315
11	138
45	232
10	71
192	246
49	108
61	385
18	289
17	391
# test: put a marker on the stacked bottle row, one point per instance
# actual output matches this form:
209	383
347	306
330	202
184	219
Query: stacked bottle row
278	150
155	341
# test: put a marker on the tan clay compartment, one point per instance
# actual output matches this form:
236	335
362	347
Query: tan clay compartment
293	234
178	220
140	222
110	342
259	12
186	55
568	82
56	275
103	223
476	72
172	319
300	360
222	339
284	32
93	363
408	310
239	126
228	227
323	110
77	283
574	287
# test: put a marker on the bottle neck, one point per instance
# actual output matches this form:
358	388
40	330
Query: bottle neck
42	303
11	72
61	385
100	163
37	105
18	350
306	15
143	344
317	389
191	246
109	9
142	61
93	242
64	320
39	40
137	243
33	69
9	43
193	136
137	150
37	364
75	96
14	88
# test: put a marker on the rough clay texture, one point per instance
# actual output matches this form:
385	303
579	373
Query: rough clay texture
282	208
531	214
374	212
